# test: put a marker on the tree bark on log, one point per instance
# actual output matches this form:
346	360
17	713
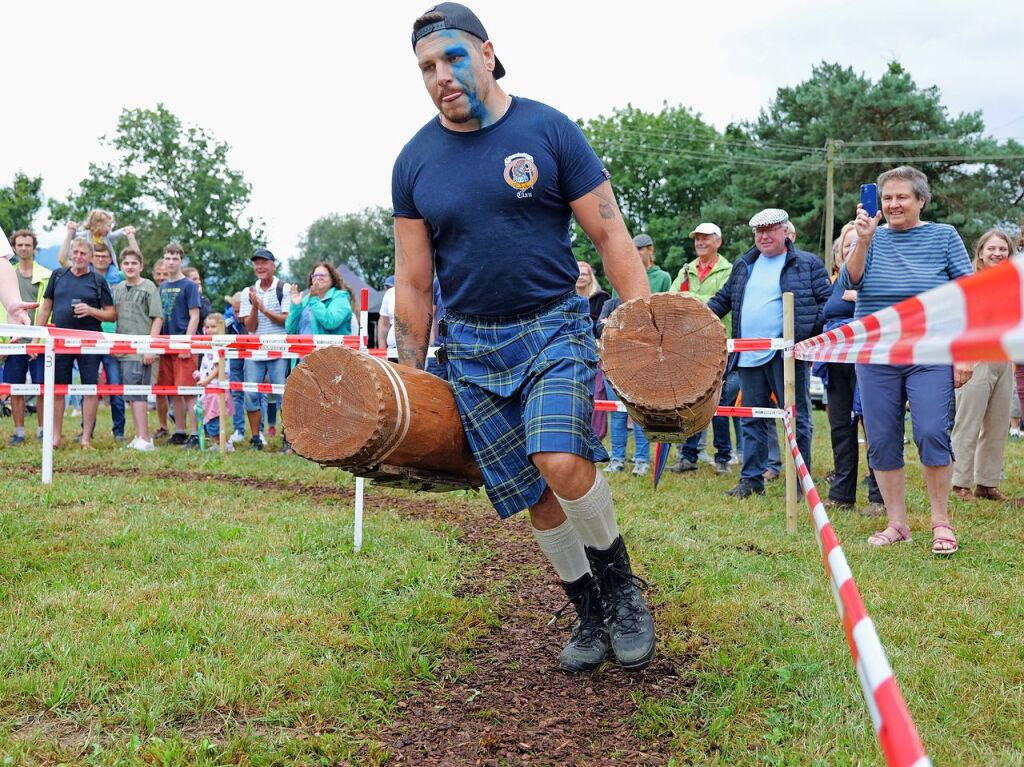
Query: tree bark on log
392	423
665	356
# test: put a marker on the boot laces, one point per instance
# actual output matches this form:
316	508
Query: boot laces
585	630
626	600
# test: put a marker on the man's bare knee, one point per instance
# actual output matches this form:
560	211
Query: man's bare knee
569	475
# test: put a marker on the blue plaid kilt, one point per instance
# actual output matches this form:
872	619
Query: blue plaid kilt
524	385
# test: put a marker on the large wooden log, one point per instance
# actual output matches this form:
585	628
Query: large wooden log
665	357
391	423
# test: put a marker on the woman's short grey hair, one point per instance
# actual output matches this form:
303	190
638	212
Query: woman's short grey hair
917	179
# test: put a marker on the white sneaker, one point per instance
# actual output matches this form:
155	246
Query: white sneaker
134	444
236	437
142	445
228	448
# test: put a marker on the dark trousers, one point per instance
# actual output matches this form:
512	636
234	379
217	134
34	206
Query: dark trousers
758	384
719	425
842	379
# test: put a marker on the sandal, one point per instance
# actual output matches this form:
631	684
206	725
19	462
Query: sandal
939	540
898	534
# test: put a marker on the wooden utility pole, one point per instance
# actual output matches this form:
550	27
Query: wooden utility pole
830	157
789	402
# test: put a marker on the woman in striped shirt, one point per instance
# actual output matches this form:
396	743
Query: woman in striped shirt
889	264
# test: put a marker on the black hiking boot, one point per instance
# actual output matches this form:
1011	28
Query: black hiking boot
630	625
589	642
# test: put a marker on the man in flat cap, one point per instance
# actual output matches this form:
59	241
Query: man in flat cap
483	194
753	295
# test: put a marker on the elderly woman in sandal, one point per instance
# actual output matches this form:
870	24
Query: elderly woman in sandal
983	404
891	263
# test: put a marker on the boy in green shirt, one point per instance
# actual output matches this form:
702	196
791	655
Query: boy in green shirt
139	313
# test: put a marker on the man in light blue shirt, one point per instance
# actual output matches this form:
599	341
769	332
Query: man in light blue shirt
754	296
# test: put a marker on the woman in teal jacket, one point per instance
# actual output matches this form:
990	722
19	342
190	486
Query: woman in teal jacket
325	308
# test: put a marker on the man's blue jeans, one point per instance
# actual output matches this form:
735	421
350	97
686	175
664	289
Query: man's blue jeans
719	426
260	371
112	370
236	372
642	448
758	384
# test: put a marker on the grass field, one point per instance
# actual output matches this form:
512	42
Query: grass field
178	608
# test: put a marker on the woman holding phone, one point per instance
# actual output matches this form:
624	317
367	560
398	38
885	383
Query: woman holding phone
888	264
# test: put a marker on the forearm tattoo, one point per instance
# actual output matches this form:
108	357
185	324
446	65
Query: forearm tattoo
412	345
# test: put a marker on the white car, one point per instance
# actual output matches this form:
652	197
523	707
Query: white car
819	396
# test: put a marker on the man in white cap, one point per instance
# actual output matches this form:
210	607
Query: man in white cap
702	278
753	294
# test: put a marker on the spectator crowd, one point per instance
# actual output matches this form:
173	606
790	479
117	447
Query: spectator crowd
960	416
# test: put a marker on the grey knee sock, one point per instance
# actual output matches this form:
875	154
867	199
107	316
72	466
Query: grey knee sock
564	549
593	515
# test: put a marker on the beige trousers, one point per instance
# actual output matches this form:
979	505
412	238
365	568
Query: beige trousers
982	424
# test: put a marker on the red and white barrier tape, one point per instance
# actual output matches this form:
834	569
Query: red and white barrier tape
83	341
978	318
120	390
889	714
756	344
89	342
610	406
106	390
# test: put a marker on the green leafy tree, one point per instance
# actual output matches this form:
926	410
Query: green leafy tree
661	173
879	125
364	241
172	182
20	202
671	170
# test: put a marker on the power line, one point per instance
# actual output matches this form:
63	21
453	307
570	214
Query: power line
689	153
722	158
716	139
900	142
937	158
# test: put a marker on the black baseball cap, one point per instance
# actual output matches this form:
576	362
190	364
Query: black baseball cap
264	254
456	16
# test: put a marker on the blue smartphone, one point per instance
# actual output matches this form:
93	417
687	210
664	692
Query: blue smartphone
869	198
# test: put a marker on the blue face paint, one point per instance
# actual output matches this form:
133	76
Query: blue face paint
460	55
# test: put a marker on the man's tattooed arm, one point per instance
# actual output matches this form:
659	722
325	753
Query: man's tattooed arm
414	298
598	215
607	208
412	344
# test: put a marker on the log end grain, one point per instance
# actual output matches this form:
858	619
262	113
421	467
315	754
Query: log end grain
665	356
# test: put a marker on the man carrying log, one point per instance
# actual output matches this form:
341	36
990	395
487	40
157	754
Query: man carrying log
483	194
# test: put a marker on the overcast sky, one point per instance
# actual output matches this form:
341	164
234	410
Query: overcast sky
317	100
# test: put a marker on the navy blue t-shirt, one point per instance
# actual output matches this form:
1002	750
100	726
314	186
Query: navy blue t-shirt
497	203
177	298
91	289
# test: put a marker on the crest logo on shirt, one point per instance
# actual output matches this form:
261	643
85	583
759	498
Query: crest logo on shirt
521	173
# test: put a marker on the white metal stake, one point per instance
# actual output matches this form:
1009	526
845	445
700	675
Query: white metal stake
357	535
364	331
49	365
